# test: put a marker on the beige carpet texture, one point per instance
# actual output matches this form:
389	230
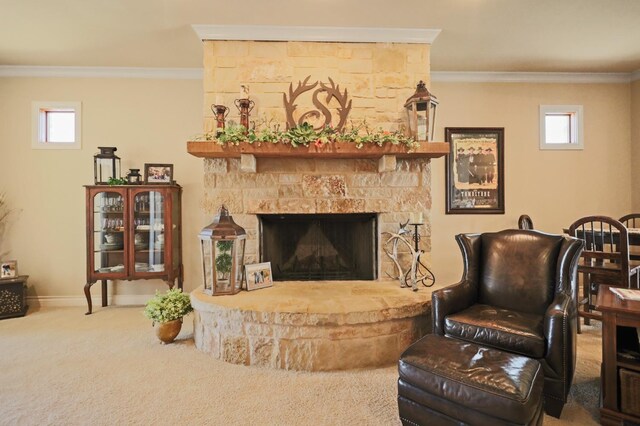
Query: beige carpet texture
60	367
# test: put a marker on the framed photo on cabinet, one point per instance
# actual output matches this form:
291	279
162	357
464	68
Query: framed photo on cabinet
475	170
158	173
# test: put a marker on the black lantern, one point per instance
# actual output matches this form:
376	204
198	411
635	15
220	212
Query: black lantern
106	165
421	112
134	177
222	246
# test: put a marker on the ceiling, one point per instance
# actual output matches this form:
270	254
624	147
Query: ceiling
477	35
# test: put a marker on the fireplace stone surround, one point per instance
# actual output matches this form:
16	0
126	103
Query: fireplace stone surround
330	324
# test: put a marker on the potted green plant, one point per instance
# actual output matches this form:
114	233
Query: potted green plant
166	310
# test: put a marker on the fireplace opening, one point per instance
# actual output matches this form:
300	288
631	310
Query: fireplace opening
319	246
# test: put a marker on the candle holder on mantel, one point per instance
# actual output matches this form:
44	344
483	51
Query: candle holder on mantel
419	272
245	106
221	112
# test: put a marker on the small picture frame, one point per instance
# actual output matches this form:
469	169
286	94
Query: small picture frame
9	269
258	275
158	173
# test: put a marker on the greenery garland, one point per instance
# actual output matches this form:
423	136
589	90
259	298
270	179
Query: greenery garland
305	135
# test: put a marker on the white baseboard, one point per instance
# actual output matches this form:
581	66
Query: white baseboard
67	301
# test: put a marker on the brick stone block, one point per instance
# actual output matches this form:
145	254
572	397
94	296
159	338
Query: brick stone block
319	49
323	186
247	163
387	163
389	59
268	49
228	48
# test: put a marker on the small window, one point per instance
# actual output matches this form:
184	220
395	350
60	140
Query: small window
56	125
561	127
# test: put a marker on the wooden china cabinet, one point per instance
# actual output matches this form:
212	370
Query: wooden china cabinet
133	232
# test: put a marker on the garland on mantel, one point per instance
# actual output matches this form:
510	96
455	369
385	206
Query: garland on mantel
306	135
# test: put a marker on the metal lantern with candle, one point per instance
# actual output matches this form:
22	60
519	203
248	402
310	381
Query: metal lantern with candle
134	177
106	165
421	112
222	245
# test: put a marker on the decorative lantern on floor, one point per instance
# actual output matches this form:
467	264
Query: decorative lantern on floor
106	165
421	111
222	244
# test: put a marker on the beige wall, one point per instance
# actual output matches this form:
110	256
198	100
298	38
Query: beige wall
635	144
150	120
553	187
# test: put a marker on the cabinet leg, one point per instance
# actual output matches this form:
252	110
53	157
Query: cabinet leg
181	277
87	293
104	293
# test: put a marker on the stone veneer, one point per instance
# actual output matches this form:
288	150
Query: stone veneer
320	186
315	325
379	78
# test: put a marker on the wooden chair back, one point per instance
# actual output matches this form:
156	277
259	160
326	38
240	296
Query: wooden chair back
605	260
632	221
606	254
525	222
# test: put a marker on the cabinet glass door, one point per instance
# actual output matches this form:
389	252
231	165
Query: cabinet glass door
108	233
149	221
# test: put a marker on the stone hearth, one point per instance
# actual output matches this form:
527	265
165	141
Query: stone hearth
312	326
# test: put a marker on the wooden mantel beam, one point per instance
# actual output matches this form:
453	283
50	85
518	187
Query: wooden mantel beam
209	149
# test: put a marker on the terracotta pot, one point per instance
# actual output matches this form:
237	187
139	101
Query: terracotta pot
167	331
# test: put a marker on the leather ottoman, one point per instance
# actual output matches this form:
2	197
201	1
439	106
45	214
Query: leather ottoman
445	381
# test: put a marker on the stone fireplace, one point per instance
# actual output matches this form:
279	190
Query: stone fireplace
379	77
320	213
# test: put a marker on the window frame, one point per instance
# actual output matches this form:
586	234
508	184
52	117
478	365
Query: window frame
576	126
39	131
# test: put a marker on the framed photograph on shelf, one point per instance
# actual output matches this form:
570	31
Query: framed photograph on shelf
9	269
258	275
475	170
158	173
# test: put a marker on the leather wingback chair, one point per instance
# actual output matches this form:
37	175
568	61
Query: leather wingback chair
515	295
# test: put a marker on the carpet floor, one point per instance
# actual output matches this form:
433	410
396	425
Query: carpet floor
60	367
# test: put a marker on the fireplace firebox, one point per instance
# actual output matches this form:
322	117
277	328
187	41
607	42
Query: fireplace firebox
317	247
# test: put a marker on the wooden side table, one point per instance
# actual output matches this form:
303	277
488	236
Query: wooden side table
619	336
13	297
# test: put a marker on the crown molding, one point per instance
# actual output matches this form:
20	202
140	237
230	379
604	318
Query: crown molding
101	72
295	33
529	77
197	73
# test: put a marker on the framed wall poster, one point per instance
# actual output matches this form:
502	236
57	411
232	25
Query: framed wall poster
158	173
475	170
258	275
9	269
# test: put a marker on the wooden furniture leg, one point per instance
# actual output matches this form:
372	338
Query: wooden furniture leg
87	293
586	288
104	293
